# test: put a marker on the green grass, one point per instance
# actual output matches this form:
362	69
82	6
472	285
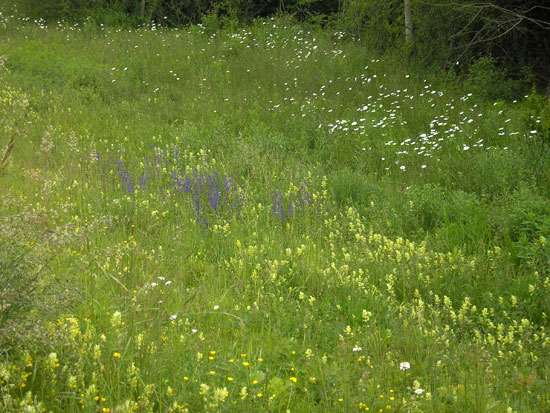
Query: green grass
268	220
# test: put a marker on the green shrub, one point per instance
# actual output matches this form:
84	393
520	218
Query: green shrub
378	21
510	211
536	116
491	82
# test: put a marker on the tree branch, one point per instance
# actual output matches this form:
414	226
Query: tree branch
518	14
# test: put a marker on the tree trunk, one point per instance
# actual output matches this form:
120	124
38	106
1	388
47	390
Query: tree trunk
408	22
142	13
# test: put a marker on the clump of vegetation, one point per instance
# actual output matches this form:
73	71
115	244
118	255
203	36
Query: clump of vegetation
488	79
20	297
537	116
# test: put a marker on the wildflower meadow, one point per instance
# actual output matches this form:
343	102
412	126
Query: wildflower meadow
272	218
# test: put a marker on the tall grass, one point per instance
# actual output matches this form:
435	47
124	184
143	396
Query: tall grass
272	219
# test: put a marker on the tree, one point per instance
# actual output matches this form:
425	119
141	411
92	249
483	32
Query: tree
514	32
408	22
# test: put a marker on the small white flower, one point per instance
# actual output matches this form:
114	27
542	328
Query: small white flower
216	307
405	365
419	391
357	348
173	317
194	330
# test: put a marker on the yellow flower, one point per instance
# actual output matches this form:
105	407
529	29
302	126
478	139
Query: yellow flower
116	319
116	355
293	379
220	394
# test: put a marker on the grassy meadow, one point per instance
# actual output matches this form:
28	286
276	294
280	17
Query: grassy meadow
270	219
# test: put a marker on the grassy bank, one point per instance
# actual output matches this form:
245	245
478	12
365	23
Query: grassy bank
265	220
